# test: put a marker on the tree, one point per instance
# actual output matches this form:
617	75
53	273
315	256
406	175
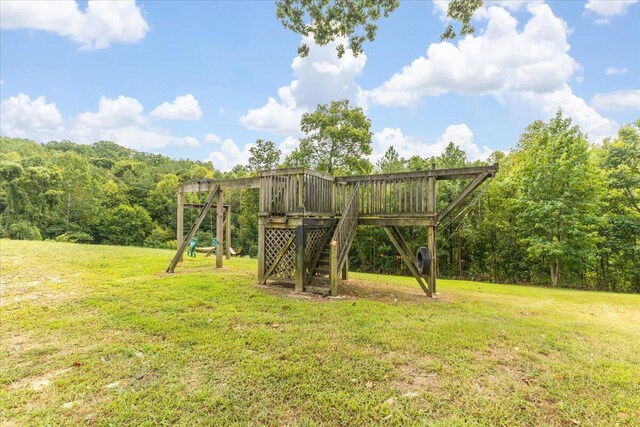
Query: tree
264	156
558	196
620	248
391	162
328	21
338	139
125	225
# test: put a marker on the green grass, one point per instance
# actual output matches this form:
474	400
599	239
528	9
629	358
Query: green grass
99	335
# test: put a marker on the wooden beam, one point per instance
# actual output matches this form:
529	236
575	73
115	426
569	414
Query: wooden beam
228	230
180	223
386	221
278	258
199	205
192	231
220	229
439	174
205	185
408	258
479	179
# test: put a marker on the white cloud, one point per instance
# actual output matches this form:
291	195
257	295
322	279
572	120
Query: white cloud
502	59
113	113
590	121
120	120
182	108
320	78
288	145
103	22
530	65
612	71
408	146
622	100
212	138
25	118
608	8
229	155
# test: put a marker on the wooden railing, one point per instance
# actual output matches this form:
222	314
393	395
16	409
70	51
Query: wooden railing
296	190
393	194
319	194
343	237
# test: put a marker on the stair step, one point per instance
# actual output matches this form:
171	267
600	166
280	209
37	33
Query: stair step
320	271
320	280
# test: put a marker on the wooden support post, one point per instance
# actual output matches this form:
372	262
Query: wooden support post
180	223
345	269
333	268
431	234
219	229
261	249
228	230
299	273
431	244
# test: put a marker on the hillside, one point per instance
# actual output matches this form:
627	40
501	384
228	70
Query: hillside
100	335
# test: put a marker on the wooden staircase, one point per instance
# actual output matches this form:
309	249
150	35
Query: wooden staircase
324	275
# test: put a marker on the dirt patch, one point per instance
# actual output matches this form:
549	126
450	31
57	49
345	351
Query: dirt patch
415	381
41	382
389	293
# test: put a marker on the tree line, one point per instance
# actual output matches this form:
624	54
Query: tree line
560	212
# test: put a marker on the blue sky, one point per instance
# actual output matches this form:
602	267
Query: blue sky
203	80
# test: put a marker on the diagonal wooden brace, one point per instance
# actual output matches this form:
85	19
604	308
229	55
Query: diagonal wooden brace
194	228
408	258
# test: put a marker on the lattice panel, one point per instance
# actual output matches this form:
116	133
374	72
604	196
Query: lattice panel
315	237
275	240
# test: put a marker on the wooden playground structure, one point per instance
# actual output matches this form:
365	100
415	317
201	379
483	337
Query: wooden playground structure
307	220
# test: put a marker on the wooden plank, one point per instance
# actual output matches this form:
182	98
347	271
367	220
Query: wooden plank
278	258
220	229
479	179
192	231
228	230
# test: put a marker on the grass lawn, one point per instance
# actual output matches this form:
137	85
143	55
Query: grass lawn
100	335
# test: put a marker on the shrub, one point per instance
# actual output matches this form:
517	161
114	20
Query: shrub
75	237
159	238
253	251
24	230
125	225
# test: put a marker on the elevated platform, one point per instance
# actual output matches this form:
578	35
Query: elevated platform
307	220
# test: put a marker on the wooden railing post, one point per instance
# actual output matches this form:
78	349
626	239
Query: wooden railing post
333	268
